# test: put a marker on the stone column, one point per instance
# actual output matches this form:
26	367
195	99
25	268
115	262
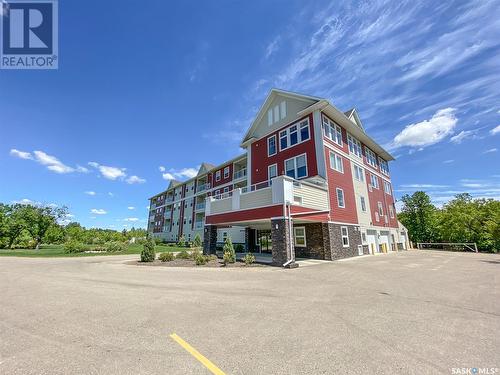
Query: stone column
210	239
280	234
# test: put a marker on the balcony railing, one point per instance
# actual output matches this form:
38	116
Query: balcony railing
240	174
200	206
199	224
202	187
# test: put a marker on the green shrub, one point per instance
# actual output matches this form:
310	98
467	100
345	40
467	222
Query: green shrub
115	246
182	255
229	249
171	244
99	248
249	259
166	257
211	257
197	241
148	252
227	258
200	259
182	241
239	248
195	253
71	247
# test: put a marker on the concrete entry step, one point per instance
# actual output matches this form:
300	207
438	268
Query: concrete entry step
306	262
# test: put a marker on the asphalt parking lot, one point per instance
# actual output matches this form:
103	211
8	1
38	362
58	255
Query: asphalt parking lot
412	312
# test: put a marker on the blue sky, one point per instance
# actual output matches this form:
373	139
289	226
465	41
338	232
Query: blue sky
136	80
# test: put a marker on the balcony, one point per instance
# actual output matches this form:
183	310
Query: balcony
199	224
200	206
280	190
167	214
202	187
242	173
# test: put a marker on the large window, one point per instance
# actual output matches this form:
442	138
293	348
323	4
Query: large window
371	158
340	198
332	131
294	134
363	203
354	146
384	166
272	171
271	146
299	236
217	175
374	181
391	212
345	236
387	187
359	173
226	172
296	167
380	209
336	162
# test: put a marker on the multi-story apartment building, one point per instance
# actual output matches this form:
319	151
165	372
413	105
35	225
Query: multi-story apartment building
311	183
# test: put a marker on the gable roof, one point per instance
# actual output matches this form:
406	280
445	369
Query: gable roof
173	183
265	106
352	115
204	168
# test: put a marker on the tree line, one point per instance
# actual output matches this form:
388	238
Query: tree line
462	219
28	226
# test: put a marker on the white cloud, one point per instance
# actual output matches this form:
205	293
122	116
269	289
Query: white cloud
491	150
495	130
463	135
135	180
25	201
427	132
131	219
51	162
448	161
272	47
131	207
180	174
98	211
90	193
162	168
21	154
423	186
111	173
110	194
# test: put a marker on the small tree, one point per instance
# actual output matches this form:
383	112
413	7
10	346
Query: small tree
148	253
182	241
229	249
197	241
40	218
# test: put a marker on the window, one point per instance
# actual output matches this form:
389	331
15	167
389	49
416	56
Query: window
226	189
332	130
363	204
277	113
297	199
294	134
340	198
299	236
384	166
391	212
374	181
345	236
354	146
387	187
376	217
270	117
370	157
296	167
359	173
226	172
363	237
217	176
217	192
336	162
272	171
282	110
380	209
271	146
283	140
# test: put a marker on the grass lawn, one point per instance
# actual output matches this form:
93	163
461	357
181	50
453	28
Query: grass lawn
58	251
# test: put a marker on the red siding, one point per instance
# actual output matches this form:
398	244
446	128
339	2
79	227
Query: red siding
223	180
378	195
261	162
344	182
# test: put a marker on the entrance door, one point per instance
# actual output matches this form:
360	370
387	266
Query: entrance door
264	241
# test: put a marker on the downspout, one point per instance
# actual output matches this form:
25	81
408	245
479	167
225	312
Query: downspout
290	237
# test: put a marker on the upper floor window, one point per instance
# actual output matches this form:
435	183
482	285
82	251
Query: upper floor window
217	175
363	203
294	134
272	171
296	167
332	130
384	166
380	209
226	172
391	212
271	146
354	146
336	162
387	188
374	181
371	158
276	113
359	173
340	198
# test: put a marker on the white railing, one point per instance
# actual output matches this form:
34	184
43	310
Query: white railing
258	186
240	174
202	187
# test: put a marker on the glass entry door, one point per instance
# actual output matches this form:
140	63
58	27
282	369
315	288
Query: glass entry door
264	241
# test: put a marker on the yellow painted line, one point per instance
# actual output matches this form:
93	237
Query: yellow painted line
195	353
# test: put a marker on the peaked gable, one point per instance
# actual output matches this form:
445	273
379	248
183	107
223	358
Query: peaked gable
204	168
352	115
278	109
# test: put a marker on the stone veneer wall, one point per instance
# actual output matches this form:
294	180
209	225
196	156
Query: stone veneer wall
315	244
280	234
338	251
210	239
